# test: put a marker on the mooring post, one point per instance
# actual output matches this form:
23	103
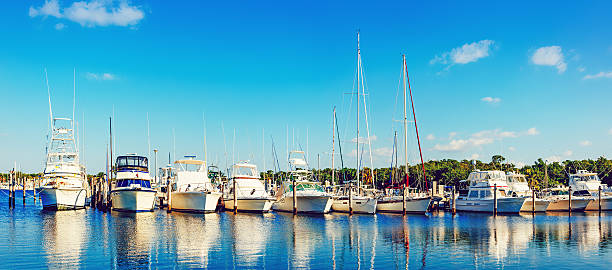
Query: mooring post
10	191
495	199
169	195
599	199
569	202
533	201
453	201
294	195
350	194
23	188
235	196
404	200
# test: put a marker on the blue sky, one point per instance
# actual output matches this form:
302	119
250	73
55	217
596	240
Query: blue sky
522	79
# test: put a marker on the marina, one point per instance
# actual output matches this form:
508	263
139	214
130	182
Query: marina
94	239
143	134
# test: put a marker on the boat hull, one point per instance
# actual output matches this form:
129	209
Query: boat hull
305	204
62	198
262	205
606	204
133	200
359	205
540	205
560	205
195	201
504	205
413	205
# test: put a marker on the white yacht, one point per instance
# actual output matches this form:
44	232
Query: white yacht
559	200
518	187
360	201
132	191
251	193
585	183
480	196
64	178
310	195
191	189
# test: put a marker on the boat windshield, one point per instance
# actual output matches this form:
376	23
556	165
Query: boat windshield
585	178
132	163
130	182
516	179
306	186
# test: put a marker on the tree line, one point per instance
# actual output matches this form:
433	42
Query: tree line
449	172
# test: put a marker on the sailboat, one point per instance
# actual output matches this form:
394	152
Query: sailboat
64	178
350	198
417	202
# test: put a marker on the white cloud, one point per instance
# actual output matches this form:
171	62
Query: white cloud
465	54
533	131
610	131
512	148
60	26
550	56
49	8
479	139
430	137
383	152
568	153
452	135
474	156
491	100
364	139
100	76
598	75
92	13
553	158
581	69
586	143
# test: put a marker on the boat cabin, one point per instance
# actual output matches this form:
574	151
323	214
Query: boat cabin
132	163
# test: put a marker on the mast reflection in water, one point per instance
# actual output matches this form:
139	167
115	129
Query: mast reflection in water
31	238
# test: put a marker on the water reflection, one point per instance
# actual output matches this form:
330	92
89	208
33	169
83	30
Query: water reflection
196	236
65	235
134	235
91	239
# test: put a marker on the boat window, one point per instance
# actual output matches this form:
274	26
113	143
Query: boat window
502	193
473	194
485	194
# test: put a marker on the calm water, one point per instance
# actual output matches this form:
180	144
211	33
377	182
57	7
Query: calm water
31	238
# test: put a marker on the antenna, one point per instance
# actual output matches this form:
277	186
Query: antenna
148	138
73	94
49	94
205	152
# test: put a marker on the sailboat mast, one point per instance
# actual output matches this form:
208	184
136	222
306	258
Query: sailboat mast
333	148
407	183
358	82
415	123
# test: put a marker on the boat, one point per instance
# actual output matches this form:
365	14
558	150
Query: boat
559	200
64	178
485	187
132	191
310	196
585	183
250	193
402	200
191	189
518	187
361	202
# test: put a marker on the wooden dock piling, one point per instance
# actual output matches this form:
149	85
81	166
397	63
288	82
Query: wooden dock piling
533	201
236	197
569	202
599	199
495	200
453	201
294	195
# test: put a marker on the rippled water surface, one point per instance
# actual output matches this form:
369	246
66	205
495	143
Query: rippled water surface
32	238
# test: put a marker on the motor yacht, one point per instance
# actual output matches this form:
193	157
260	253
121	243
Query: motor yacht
250	193
585	183
518	187
484	188
132	191
191	189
